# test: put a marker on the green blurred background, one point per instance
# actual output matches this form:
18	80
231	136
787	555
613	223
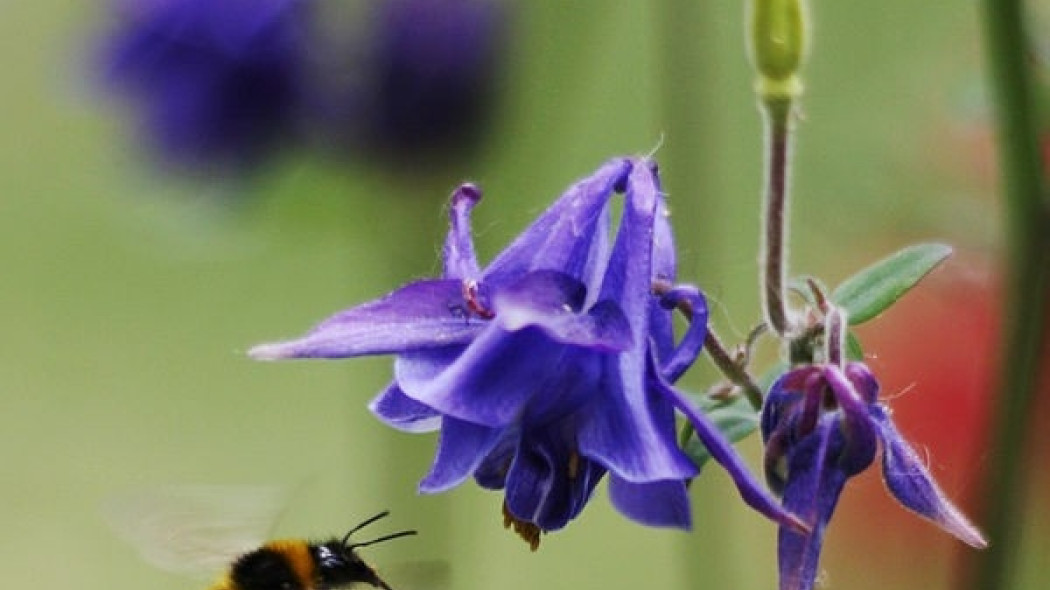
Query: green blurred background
128	299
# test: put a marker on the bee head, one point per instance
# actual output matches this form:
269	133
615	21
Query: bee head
339	565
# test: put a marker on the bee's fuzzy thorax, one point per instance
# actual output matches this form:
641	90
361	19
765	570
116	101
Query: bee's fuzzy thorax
299	557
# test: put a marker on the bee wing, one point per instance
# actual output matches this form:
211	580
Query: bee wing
195	529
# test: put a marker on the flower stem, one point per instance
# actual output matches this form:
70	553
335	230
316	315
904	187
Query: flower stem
733	371
1027	288
777	40
773	276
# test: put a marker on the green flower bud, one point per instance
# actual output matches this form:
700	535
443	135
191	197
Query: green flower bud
777	45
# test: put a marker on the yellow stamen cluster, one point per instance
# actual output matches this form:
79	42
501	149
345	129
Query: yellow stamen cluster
528	531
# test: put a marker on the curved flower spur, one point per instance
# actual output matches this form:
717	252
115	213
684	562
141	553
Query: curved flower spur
553	365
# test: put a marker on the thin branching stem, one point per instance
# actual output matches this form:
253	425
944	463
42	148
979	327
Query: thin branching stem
736	373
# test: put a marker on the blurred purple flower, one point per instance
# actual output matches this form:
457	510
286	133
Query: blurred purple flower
432	73
217	83
550	367
823	425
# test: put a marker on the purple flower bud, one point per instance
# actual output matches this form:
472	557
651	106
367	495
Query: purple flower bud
823	425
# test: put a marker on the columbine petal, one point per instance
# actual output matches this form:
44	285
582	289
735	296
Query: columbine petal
863	381
551	301
399	411
417	316
664	258
544	484
563	237
778	404
908	480
659	503
460	258
491	382
492	472
462	446
860	434
680	358
628	277
664	270
535	491
618	428
414	368
812	491
778	424
598	256
722	451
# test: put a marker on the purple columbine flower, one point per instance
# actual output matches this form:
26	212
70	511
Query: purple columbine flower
217	82
432	72
822	425
551	367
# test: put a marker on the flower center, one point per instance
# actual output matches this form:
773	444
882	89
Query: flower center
472	295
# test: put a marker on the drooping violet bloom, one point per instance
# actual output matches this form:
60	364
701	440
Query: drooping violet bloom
431	68
822	425
216	84
550	367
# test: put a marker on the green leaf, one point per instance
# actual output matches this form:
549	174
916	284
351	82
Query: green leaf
854	351
735	418
869	292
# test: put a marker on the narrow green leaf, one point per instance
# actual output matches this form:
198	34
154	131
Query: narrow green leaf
869	292
854	351
735	418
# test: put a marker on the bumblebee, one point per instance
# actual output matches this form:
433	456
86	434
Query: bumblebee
198	530
295	564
